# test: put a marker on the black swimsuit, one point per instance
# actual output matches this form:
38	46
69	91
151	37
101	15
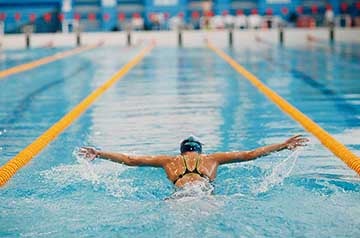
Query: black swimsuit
188	171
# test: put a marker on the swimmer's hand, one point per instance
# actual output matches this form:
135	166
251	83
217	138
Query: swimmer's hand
89	153
295	141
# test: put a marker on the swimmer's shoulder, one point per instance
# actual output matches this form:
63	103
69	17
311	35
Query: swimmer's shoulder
169	158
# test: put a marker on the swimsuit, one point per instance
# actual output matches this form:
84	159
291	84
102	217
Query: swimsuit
188	171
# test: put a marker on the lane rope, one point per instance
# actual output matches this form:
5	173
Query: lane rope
24	156
337	148
36	63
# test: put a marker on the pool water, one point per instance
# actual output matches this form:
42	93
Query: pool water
172	93
11	58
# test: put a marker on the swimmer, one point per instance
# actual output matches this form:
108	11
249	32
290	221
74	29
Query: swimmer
191	166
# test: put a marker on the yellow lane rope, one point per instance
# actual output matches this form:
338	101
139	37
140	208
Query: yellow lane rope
24	156
325	138
45	60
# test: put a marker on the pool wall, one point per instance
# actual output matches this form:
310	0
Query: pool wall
189	38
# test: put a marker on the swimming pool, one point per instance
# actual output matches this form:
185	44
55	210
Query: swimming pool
172	93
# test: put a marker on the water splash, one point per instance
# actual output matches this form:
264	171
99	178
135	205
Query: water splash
103	175
85	165
2	131
193	202
278	174
193	190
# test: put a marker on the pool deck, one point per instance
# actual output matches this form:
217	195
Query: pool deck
292	36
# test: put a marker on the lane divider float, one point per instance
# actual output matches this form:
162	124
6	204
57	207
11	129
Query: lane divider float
36	63
24	156
337	148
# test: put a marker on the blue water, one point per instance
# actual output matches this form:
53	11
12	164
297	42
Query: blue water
173	93
11	58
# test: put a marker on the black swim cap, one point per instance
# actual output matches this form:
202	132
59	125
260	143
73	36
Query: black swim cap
191	144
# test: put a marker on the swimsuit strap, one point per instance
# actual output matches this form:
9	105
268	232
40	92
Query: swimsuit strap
187	170
185	164
197	164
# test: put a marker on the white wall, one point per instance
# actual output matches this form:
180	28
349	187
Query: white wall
292	36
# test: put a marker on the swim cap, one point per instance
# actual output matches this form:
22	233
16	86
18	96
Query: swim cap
191	144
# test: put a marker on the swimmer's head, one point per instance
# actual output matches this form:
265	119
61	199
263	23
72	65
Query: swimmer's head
191	144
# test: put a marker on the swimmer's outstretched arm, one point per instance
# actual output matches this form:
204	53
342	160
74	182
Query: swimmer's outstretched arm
231	157
131	160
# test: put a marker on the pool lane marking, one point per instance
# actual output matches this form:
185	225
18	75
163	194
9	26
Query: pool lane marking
45	60
325	138
24	156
